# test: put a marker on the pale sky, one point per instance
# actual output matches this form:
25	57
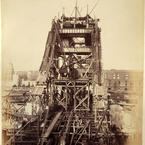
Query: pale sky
25	26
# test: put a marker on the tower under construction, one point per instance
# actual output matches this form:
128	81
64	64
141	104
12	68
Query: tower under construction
72	105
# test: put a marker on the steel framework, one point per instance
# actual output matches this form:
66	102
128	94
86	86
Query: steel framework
73	105
72	67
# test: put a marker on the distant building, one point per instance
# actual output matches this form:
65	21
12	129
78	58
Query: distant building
8	72
7	77
15	79
28	75
22	74
126	81
32	75
27	78
28	83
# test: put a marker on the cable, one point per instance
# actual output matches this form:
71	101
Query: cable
72	12
94	7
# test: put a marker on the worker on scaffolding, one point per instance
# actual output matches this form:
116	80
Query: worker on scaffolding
63	71
77	122
53	72
73	72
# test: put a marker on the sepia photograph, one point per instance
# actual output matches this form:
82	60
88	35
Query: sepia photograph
72	72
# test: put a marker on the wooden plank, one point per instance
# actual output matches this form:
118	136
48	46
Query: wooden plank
51	126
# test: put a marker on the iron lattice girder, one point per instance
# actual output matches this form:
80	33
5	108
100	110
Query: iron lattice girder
78	86
56	32
71	75
80	102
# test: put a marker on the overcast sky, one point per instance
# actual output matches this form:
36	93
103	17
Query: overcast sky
25	26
